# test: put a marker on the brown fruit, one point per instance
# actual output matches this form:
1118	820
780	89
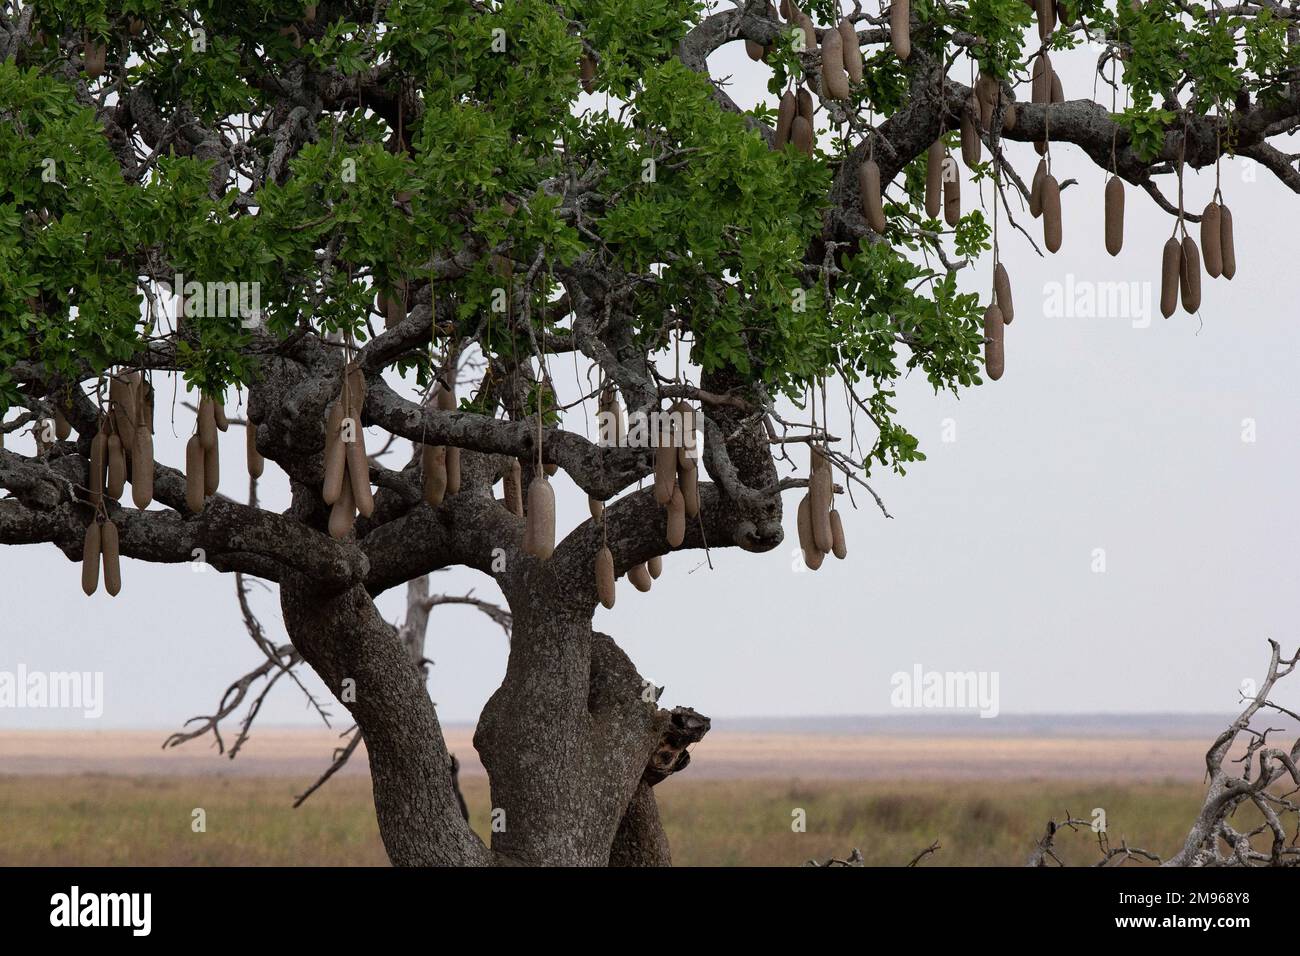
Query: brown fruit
587	72
211	471
1058	92
335	454
835	81
665	468
596	507
869	186
801	134
433	464
987	92
838	547
685	436
804	104
934	179
811	556
90	551
343	514
821	492
1002	292
970	132
359	473
116	468
995	360
1227	249
447	403
1114	215
539	532
605	577
1189	275
655	566
1041	80
676	519
110	550
785	116
62	428
1046	18
142	468
256	463
219	417
852	52
952	199
640	577
755	51
689	483
207	423
1009	115
98	463
194	474
1052	232
95	55
512	488
1036	190
1170	267
900	28
1212	239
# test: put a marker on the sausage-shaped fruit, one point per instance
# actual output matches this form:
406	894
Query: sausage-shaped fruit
811	556
676	519
838	547
433	464
142	467
689	483
98	464
1036	190
1170	267
1052	231
90	550
513	488
605	577
952	199
655	566
256	463
1114	215
872	204
934	179
194	474
640	577
801	134
335	454
1002	293
211	471
116	468
1227	249
343	514
835	81
539	534
971	152
900	28
785	116
1189	275
1212	240
821	491
852	52
110	549
665	467
995	361
207	423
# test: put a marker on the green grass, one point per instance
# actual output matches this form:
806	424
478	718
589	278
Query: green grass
146	821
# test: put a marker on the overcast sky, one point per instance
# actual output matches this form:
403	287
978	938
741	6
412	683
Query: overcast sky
1117	432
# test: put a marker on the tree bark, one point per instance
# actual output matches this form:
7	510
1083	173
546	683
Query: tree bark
361	659
641	840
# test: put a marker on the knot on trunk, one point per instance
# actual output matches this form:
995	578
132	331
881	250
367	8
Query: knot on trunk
685	727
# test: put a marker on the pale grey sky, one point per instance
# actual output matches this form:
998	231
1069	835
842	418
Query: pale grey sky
1107	432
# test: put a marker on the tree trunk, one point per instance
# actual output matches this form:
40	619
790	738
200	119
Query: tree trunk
360	658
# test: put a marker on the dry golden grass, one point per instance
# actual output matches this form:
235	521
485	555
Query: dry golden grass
146	820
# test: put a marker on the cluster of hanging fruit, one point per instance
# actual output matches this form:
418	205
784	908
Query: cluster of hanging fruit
347	467
676	487
821	532
120	451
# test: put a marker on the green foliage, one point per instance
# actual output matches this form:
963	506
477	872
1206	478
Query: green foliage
731	230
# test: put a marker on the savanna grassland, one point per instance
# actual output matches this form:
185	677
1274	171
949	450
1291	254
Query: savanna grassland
146	820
